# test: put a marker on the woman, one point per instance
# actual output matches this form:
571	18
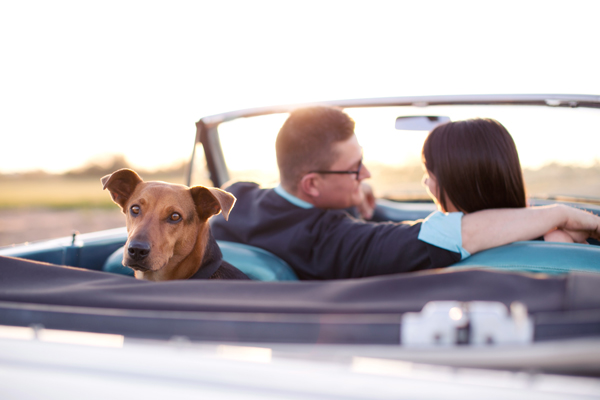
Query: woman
473	165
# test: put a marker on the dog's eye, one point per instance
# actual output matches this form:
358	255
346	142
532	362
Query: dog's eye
135	210
175	217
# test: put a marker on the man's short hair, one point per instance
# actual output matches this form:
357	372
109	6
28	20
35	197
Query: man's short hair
305	141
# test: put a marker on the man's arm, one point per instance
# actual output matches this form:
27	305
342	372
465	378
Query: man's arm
485	229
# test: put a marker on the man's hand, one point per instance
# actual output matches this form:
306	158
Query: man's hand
581	225
366	208
558	235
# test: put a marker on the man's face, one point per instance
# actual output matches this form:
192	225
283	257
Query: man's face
339	191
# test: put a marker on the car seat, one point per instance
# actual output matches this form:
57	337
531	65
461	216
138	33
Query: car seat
258	264
537	256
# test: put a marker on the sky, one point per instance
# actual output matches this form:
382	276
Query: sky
83	79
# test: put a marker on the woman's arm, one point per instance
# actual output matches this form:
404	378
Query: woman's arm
485	229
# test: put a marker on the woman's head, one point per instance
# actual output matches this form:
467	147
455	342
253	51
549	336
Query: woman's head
474	165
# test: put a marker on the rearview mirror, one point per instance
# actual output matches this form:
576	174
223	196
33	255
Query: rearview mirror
420	122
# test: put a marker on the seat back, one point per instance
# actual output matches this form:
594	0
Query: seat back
258	264
537	256
114	263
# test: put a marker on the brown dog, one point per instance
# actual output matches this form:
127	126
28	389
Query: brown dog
168	236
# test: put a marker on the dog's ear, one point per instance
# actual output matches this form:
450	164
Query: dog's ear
121	185
211	201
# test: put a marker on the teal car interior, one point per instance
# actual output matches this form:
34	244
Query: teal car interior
259	264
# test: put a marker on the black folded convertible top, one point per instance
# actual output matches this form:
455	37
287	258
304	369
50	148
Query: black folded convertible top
70	298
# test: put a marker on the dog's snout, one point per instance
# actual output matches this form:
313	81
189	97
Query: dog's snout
138	250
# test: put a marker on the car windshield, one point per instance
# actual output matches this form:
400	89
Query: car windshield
558	148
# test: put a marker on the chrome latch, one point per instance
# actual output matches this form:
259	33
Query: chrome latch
450	323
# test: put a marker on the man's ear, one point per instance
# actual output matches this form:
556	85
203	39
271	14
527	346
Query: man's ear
309	184
121	185
211	201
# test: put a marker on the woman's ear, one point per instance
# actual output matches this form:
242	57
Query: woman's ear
309	185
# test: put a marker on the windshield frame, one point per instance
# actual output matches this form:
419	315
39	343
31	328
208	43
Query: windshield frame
207	127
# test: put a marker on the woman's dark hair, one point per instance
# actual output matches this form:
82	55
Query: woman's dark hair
476	165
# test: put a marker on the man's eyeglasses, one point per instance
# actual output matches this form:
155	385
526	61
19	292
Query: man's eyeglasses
357	172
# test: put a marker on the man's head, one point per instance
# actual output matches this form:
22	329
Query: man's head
317	152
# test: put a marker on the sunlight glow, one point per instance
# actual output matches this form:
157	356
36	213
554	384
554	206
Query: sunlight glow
80	338
61	336
455	313
245	353
16	332
82	80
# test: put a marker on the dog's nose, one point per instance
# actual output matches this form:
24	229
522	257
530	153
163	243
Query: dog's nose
138	250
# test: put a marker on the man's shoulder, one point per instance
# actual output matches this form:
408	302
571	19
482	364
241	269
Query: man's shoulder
251	192
240	185
239	188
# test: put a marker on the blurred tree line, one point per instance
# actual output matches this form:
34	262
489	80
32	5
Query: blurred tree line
104	166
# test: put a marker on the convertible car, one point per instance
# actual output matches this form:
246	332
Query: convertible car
522	320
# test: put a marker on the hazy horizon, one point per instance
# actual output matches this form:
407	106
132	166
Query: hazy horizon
82	79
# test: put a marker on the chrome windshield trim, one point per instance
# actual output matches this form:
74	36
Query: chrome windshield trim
549	100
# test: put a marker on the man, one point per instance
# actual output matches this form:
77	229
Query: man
304	221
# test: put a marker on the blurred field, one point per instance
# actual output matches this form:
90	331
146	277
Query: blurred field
551	181
59	192
53	192
46	207
30	224
37	207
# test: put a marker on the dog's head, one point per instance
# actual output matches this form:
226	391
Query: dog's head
165	222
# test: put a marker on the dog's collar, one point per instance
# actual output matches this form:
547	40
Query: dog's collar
211	261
